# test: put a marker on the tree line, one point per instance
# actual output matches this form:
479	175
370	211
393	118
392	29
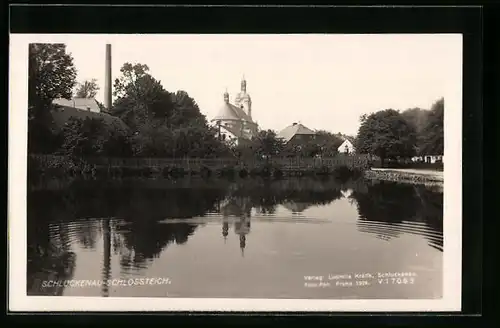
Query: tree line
160	123
390	134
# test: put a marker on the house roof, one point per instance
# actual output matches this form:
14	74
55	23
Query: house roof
344	143
296	128
231	112
231	130
80	103
348	138
62	114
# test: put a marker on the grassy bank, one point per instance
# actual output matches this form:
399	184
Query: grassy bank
412	177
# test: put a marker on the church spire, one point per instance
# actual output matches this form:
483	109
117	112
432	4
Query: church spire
243	84
226	96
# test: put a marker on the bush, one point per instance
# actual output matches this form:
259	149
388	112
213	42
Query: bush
342	173
277	173
146	172
205	172
323	170
165	172
227	171
243	173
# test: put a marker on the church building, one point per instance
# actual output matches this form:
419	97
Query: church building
234	121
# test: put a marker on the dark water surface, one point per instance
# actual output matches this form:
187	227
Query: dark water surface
245	239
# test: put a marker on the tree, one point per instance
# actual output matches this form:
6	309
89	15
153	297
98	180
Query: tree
386	134
141	98
164	123
87	89
265	144
416	117
92	137
268	144
432	139
51	75
329	142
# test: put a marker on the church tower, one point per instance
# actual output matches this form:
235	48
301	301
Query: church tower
243	99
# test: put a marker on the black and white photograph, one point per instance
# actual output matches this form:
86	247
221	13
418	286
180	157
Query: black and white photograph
236	172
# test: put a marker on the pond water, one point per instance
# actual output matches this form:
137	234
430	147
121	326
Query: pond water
290	238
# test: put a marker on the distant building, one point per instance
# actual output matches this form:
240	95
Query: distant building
86	104
430	159
347	147
235	122
64	111
297	134
228	135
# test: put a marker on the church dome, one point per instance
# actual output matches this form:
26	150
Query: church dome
226	113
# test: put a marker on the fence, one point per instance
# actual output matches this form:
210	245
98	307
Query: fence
358	161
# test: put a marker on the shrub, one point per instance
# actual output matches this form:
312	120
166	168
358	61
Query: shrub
243	173
205	172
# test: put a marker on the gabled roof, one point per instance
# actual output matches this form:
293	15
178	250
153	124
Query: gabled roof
344	144
80	103
296	128
62	114
349	138
231	112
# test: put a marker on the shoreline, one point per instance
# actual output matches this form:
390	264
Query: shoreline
409	176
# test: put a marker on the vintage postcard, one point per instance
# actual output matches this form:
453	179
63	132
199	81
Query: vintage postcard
314	172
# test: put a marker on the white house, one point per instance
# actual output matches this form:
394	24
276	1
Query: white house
429	159
346	147
227	134
86	104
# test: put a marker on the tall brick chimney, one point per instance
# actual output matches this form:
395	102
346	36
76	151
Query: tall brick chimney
107	82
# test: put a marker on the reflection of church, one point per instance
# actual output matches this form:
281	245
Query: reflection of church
241	213
242	228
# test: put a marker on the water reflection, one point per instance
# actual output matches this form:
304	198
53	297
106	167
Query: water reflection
388	209
128	226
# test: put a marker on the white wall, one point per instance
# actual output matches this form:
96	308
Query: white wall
342	147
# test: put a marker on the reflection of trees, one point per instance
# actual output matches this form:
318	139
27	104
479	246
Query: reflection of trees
432	213
388	209
49	258
138	237
296	207
387	202
145	240
106	266
296	194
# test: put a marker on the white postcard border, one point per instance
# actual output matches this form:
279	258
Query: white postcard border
17	184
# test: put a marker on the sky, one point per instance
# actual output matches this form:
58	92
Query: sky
323	81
